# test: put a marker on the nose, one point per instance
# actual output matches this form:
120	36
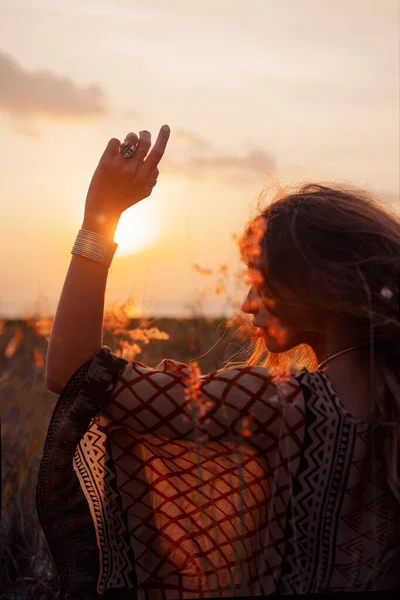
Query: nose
250	305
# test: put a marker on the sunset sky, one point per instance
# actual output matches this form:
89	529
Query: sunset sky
307	90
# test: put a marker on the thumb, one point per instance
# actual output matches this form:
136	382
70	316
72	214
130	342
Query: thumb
112	148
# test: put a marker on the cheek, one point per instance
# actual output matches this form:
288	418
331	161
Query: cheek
267	308
275	336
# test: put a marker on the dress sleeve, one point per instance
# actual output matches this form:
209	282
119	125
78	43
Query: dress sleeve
224	405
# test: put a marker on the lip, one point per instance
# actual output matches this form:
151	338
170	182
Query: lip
261	332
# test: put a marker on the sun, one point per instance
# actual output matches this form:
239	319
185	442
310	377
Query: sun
137	229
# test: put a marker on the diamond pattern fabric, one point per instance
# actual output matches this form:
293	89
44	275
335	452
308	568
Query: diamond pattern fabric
194	492
259	483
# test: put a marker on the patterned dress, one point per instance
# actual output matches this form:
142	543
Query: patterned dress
254	485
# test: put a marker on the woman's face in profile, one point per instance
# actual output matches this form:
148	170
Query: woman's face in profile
277	335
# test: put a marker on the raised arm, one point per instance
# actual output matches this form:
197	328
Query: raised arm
116	185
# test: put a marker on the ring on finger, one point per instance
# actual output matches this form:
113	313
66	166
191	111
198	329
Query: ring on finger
127	149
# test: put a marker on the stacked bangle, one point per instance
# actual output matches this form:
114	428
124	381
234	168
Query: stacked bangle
95	246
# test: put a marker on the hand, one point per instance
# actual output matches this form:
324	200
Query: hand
119	182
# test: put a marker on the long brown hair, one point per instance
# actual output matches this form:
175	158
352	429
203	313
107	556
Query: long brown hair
331	254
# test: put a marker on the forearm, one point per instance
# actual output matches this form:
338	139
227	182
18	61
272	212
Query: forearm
77	330
116	185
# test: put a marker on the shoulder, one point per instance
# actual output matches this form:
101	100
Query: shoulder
250	383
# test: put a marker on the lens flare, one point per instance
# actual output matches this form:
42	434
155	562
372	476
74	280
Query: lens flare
137	229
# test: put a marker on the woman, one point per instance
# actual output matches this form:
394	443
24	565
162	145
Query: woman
278	475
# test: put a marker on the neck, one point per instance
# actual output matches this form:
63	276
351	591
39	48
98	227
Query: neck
325	348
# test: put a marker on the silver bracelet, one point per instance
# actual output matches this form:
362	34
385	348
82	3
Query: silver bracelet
95	246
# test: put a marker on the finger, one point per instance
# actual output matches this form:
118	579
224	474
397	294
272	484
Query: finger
158	149
112	148
132	138
149	187
144	145
153	177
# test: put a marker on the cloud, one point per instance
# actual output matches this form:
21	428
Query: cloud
26	94
129	113
191	140
230	168
256	161
202	159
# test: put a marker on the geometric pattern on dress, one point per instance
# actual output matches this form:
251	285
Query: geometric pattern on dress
369	527
198	517
62	505
313	513
94	470
366	530
282	466
206	513
147	432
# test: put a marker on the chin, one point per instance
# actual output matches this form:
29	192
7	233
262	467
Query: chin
276	345
273	346
270	343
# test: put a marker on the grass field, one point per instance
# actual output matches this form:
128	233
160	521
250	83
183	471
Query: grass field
27	569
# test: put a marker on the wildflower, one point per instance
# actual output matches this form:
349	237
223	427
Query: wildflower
193	341
42	326
280	379
276	331
202	271
143	323
269	303
280	376
38	358
239	277
128	351
118	315
14	343
275	400
260	225
250	243
255	277
252	305
246	424
116	321
144	335
193	396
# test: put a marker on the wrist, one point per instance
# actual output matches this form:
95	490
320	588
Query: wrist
100	224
